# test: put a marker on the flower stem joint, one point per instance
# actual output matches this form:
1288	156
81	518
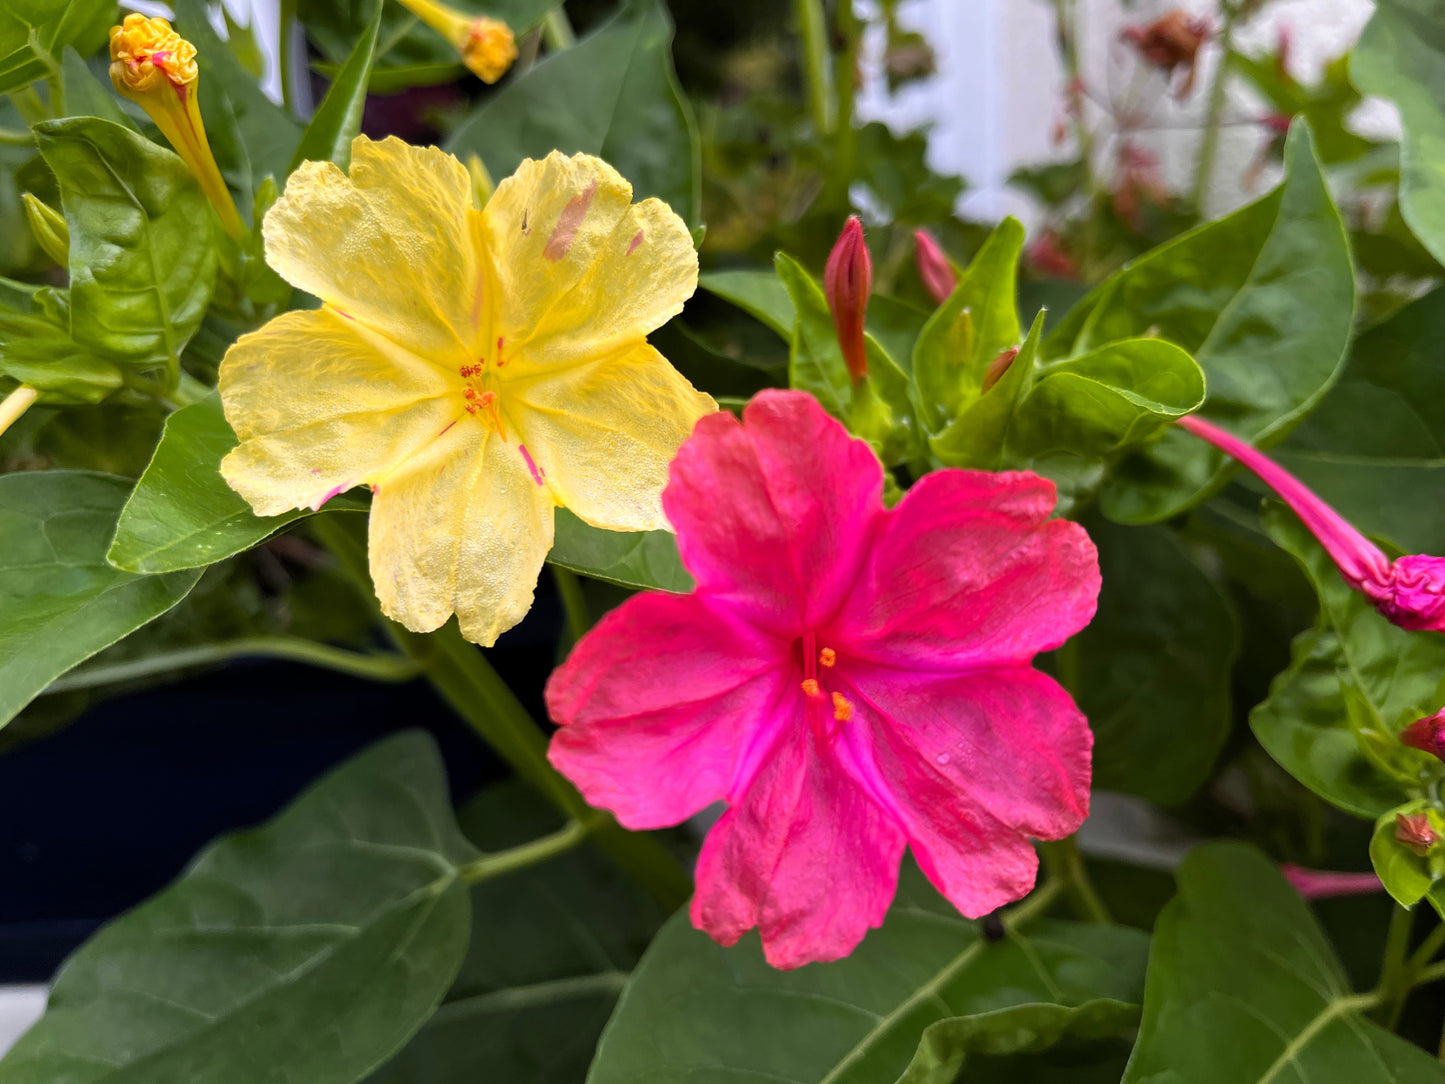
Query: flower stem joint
847	282
156	68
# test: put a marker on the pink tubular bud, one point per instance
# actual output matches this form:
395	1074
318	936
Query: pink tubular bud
933	267
998	366
1427	735
1409	592
847	282
1414	831
1321	884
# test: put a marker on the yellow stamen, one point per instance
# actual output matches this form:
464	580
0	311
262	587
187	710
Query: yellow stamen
155	67
15	404
487	46
827	657
842	709
811	689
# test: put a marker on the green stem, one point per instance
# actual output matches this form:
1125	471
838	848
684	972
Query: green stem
1066	29
1066	866
14	137
845	73
814	35
32	110
573	601
528	854
1395	973
1432	944
1209	143
287	56
464	678
375	667
557	30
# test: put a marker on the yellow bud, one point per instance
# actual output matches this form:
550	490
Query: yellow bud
482	184
49	228
488	49
155	67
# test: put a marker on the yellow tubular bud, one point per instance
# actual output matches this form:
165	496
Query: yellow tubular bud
16	404
487	46
156	68
48	226
482	184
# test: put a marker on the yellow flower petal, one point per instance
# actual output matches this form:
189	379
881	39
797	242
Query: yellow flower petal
602	433
321	404
460	528
579	271
393	244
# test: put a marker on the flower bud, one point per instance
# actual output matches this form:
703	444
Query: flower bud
48	226
1171	42
933	267
847	282
156	68
1318	884
487	46
998	366
1414	831
1427	735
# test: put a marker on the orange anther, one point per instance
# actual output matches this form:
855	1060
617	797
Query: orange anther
811	689
842	709
827	657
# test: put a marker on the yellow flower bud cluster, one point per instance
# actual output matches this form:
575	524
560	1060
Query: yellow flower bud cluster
147	55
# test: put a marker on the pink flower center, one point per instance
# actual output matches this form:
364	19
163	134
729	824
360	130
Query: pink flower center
817	664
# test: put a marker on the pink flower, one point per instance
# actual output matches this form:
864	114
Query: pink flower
1322	884
849	678
847	282
933	267
1409	591
1427	734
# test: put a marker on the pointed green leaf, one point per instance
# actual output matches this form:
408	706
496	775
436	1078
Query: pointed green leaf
338	118
34	34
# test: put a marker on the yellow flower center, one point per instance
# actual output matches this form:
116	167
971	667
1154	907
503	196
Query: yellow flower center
147	54
812	657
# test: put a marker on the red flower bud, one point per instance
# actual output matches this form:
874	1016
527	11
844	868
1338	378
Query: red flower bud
1321	884
1048	256
1427	735
1172	41
1414	831
933	267
998	366
847	281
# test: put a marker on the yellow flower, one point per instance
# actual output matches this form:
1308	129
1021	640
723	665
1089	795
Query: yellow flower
486	45
154	66
476	368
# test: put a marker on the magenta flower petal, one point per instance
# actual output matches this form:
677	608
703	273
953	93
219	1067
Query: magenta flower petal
970	570
657	706
1323	884
806	856
774	516
1415	596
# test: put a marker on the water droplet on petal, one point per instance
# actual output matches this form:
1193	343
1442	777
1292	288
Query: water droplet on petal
943	758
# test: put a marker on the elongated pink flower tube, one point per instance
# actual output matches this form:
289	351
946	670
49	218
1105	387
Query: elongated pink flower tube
934	269
851	679
1323	884
1409	591
847	283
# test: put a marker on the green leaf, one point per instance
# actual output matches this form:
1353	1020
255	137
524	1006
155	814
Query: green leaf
338	118
981	435
1401	57
142	256
182	514
1244	988
639	559
60	601
1375	447
36	347
85	95
759	293
1152	670
858	1021
1354	682
551	948
977	323
307	950
1407	876
613	94
1262	299
34	34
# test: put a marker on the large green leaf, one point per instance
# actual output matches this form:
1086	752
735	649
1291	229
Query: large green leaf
1355	680
85	95
36	347
1244	988
758	293
552	946
1263	300
142	256
695	1011
1401	56
182	514
613	94
978	322
60	602
34	34
642	559
305	951
1375	448
1152	670
338	118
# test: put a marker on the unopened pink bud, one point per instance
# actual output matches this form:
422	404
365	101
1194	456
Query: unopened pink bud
1320	884
1414	831
847	282
998	366
1409	591
933	267
1427	734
